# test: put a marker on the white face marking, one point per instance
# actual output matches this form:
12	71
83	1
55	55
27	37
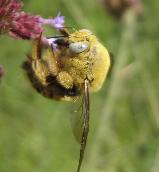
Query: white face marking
78	47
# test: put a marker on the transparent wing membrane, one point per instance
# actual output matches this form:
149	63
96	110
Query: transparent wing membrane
80	122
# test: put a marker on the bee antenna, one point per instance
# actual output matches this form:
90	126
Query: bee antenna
69	27
58	36
65	30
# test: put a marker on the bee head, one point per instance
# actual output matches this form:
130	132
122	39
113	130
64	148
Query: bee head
79	41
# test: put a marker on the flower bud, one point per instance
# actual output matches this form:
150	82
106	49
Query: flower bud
1	72
118	7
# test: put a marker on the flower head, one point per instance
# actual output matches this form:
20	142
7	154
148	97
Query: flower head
16	22
22	25
57	22
25	26
8	9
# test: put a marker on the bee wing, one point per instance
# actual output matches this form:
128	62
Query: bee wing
81	122
112	64
85	130
77	119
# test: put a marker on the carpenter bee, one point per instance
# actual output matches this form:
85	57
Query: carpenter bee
77	66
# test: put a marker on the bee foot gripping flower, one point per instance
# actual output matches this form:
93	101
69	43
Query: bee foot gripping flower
51	42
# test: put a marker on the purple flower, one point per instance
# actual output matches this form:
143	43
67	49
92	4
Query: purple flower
22	25
8	9
25	26
1	72
16	22
57	22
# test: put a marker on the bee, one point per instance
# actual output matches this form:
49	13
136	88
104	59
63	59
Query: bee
77	66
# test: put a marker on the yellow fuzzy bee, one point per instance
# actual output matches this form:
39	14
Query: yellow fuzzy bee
77	66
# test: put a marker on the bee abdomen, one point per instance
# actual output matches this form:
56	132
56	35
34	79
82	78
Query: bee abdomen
27	66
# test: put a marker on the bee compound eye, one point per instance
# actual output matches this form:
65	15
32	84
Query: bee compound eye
78	47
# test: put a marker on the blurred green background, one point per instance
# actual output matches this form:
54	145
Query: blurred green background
35	132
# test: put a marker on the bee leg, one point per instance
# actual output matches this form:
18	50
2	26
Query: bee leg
36	49
65	80
51	62
46	64
79	64
82	70
34	79
40	70
38	65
